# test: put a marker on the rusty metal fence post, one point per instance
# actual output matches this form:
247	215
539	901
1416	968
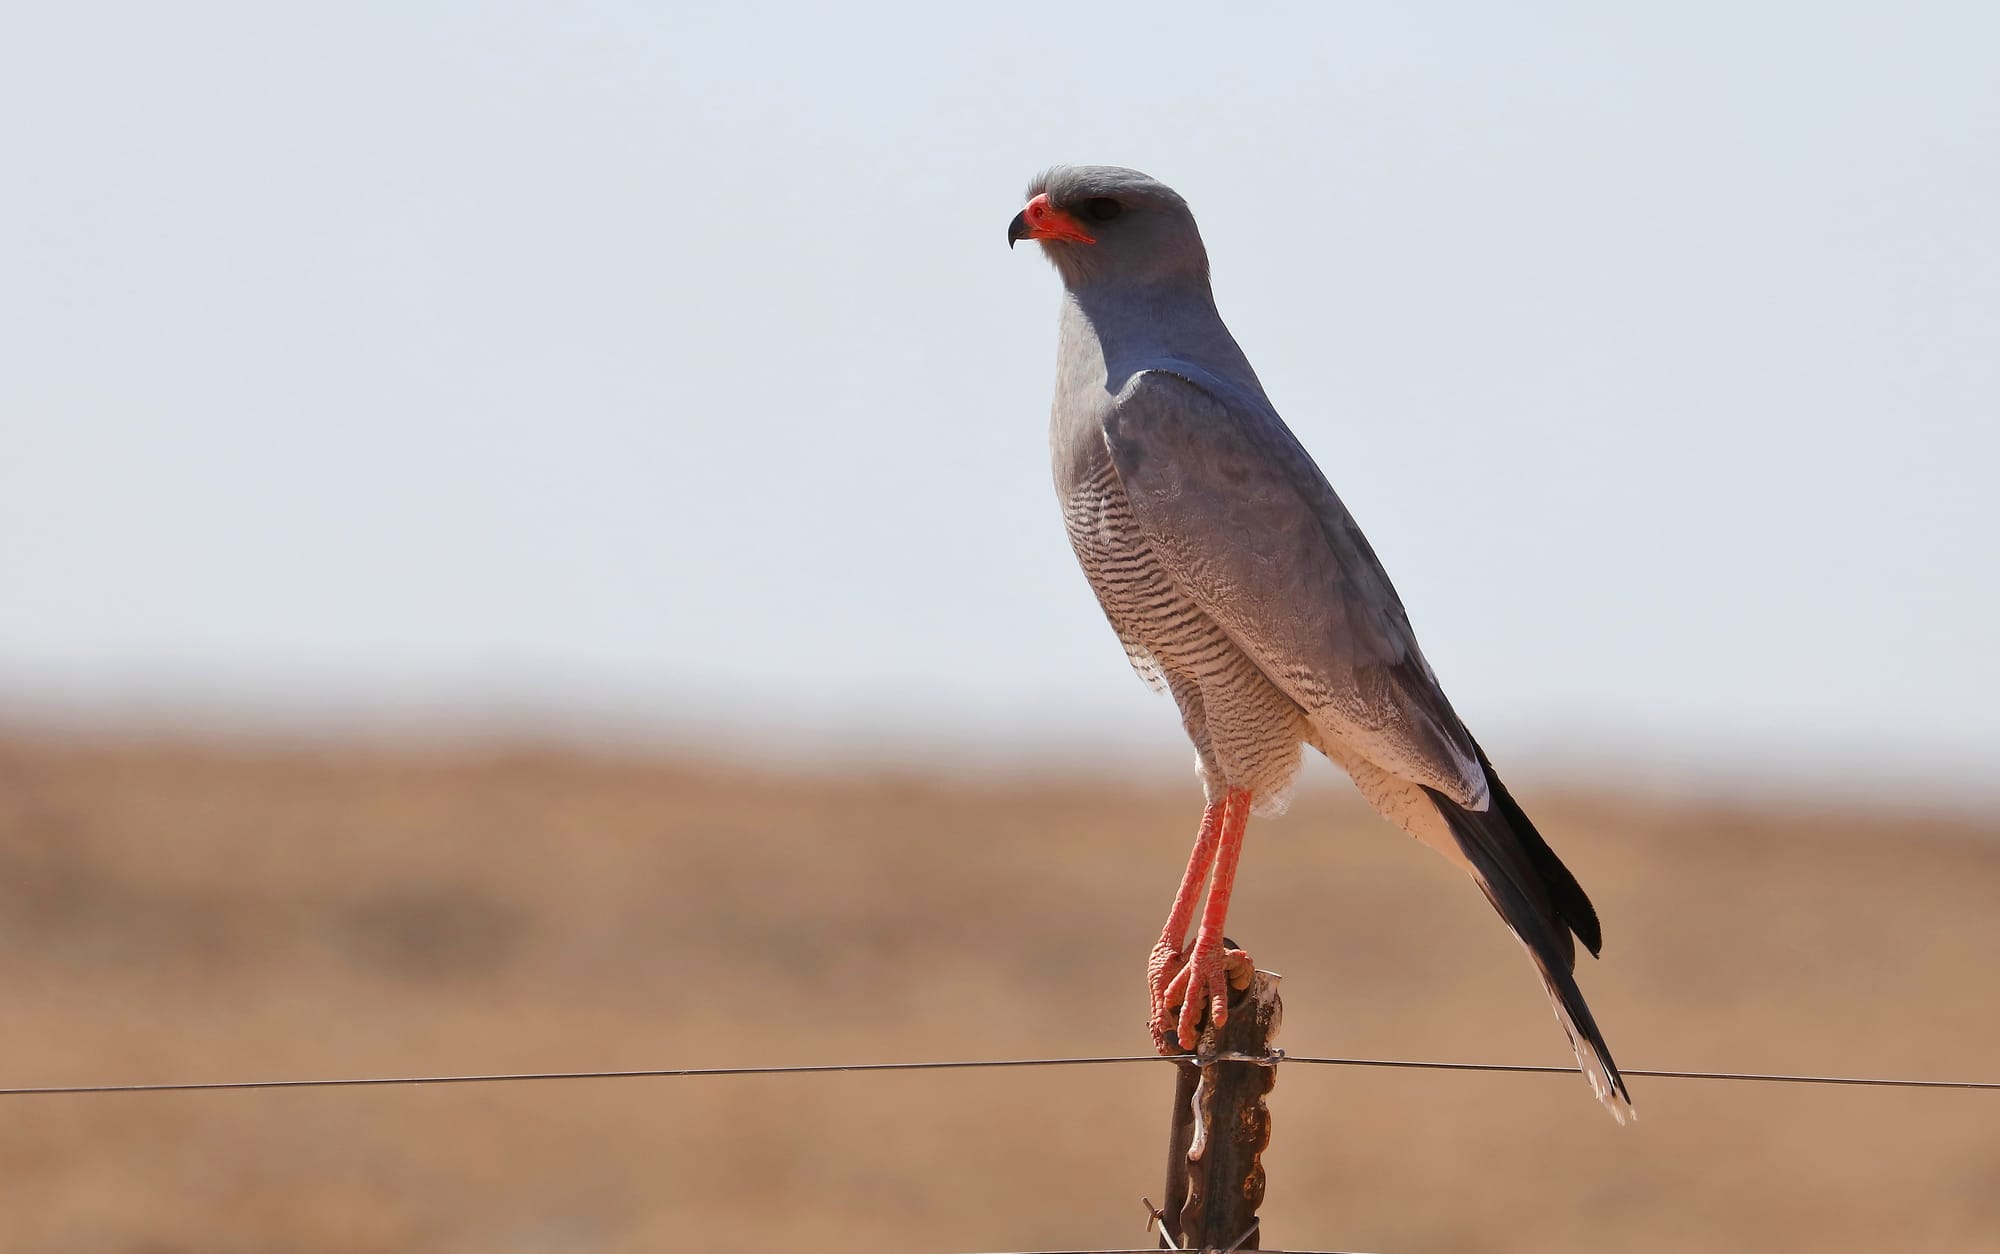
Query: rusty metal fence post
1221	1126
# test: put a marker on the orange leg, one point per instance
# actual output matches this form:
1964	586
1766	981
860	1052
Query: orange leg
1202	982
1168	959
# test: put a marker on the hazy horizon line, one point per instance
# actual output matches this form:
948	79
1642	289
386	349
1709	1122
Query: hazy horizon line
694	725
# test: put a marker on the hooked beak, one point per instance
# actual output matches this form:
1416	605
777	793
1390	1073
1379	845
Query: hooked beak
1042	220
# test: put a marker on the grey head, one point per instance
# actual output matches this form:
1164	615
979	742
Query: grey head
1105	223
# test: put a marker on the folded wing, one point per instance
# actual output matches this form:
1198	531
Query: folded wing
1246	524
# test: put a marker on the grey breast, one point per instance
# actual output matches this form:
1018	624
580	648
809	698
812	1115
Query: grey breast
1246	732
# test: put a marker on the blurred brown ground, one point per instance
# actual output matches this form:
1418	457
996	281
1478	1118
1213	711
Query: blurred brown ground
187	913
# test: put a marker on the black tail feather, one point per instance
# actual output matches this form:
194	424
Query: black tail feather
1566	896
1546	908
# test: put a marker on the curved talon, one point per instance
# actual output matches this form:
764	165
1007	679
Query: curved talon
1220	971
1204	988
1241	969
1202	983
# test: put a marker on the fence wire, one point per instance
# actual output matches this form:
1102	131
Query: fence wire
663	1073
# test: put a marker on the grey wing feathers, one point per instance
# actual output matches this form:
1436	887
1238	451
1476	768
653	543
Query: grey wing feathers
1248	526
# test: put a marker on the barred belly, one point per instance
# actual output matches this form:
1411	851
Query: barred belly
1246	733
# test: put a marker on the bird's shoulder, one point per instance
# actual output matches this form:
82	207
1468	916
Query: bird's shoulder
1173	426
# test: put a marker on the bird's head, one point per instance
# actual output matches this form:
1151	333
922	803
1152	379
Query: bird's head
1098	222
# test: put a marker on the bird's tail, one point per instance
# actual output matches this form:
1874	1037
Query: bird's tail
1541	901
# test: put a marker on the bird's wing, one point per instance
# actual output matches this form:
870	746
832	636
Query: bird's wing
1250	529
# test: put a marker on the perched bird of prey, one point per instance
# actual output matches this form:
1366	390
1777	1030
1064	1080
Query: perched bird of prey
1236	579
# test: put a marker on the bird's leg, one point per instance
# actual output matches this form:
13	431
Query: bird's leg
1167	959
1204	980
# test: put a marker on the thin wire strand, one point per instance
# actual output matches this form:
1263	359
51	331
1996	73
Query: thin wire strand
1762	1077
656	1073
649	1073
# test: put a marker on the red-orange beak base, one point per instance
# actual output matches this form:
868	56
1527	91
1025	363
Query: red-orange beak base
1042	220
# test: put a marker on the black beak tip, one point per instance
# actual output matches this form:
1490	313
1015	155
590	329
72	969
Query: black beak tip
1017	230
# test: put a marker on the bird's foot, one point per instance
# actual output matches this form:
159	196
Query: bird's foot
1190	985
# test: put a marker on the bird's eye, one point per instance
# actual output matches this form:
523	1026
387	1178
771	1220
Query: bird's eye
1103	208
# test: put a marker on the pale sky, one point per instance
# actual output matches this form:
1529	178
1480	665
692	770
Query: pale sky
663	367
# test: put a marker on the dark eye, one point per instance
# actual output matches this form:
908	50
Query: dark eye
1103	208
